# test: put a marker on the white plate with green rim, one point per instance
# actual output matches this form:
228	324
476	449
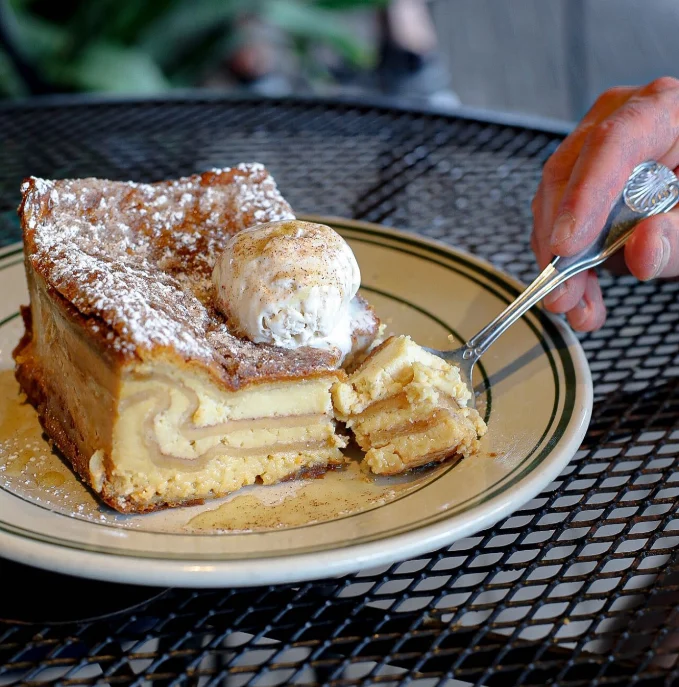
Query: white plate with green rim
535	391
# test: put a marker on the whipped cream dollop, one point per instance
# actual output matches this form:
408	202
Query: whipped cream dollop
288	283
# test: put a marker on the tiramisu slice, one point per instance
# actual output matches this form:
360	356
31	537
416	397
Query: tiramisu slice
407	408
152	394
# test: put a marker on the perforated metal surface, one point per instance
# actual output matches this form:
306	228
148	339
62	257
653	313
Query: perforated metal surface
580	587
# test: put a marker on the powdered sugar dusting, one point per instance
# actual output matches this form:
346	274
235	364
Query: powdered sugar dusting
136	260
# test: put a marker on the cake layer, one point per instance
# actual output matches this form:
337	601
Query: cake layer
386	372
127	491
444	434
406	408
261	434
162	418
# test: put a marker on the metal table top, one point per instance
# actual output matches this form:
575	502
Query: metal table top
579	587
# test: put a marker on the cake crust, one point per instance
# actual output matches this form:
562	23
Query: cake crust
132	264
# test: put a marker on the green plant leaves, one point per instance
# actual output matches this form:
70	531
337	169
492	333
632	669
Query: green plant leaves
115	68
184	24
146	46
11	83
39	40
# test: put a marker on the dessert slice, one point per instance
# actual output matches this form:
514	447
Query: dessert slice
136	376
406	408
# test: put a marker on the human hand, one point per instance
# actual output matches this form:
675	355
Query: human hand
580	181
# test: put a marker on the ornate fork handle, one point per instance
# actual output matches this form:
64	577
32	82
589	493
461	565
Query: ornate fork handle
651	189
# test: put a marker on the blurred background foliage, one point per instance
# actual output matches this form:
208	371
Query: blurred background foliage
544	57
149	46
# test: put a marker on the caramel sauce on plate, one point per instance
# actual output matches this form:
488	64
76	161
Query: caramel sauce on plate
32	470
28	466
338	493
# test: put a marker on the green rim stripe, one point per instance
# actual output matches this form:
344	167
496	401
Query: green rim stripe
9	253
12	263
9	318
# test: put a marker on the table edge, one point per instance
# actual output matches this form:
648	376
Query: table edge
353	100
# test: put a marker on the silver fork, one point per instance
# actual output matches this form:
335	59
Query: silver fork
651	189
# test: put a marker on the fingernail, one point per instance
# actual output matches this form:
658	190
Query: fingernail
664	258
578	315
563	229
554	296
582	305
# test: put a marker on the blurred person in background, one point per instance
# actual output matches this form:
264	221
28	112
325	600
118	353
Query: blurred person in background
408	63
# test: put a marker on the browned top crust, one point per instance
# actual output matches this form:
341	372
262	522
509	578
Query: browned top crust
133	264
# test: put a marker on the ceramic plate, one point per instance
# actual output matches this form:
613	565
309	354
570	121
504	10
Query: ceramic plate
534	389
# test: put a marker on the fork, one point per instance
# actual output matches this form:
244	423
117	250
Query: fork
652	188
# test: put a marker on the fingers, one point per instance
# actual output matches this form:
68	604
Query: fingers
568	295
590	312
645	126
584	177
539	239
560	165
555	179
557	170
653	249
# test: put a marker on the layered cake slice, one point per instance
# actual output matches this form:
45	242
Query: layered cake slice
407	408
138	377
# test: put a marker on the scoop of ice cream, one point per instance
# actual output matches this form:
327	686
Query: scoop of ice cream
288	283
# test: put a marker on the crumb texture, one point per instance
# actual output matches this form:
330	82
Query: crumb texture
407	407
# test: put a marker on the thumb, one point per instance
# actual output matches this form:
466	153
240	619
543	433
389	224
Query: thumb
653	249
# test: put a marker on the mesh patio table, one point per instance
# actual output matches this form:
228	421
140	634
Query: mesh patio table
578	587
